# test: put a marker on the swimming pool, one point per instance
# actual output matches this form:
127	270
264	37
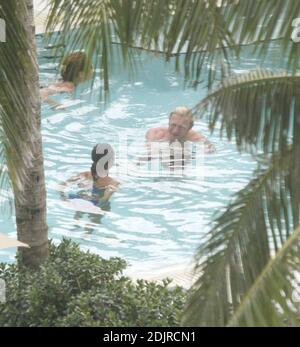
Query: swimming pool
156	221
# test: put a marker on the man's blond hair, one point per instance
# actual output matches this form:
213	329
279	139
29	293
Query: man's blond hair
185	112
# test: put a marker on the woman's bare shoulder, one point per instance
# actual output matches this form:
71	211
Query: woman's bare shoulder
106	181
86	175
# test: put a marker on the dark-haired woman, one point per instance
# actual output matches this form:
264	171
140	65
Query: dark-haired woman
95	185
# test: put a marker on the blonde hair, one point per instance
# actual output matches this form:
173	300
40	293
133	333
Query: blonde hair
73	64
183	111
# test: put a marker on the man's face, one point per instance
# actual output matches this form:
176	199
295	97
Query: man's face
179	127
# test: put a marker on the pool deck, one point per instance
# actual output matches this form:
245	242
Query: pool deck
40	16
181	275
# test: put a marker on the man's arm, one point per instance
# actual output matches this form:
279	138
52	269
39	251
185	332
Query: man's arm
197	137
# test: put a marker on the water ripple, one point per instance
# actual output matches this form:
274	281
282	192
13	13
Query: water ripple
153	220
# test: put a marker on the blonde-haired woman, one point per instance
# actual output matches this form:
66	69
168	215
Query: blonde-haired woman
75	68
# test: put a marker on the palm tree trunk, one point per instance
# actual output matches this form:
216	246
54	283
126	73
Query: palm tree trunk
30	202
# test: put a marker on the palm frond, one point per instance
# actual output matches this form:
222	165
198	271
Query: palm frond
260	109
15	122
236	250
5	183
195	27
208	32
274	298
262	21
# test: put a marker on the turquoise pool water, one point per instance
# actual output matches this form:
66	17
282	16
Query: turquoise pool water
155	221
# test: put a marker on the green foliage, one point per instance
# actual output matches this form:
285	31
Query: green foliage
74	288
239	282
274	298
206	33
257	223
169	27
17	129
260	110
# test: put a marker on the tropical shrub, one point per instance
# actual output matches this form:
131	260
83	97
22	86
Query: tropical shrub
76	288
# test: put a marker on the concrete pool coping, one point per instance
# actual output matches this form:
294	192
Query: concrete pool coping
40	16
181	275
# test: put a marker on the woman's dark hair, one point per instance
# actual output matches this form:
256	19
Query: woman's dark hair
72	65
95	158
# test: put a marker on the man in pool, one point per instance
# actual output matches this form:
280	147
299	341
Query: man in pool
179	129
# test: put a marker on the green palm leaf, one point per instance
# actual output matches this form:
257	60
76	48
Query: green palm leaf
15	122
262	21
196	28
276	290
260	109
236	250
208	32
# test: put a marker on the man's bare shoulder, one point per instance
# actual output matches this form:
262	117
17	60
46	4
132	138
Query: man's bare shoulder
195	137
156	134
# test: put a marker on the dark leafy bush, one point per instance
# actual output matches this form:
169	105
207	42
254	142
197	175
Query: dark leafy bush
75	288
